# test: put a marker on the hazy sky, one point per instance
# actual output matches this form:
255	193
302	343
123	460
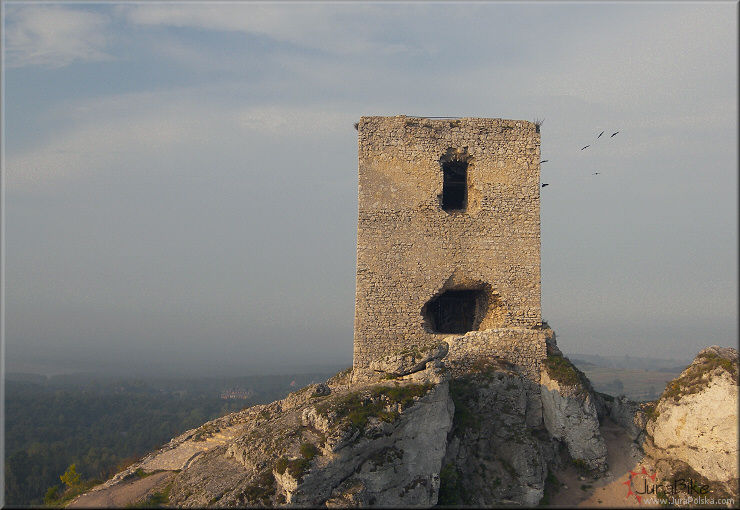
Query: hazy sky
180	179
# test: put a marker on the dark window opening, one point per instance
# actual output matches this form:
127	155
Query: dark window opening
455	311
454	185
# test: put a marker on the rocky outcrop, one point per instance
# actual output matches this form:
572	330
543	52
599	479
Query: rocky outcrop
410	361
389	463
378	445
499	452
629	415
487	437
478	439
695	422
569	412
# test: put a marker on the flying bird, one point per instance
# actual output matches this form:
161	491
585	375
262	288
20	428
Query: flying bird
544	161
545	184
600	134
596	173
613	134
586	147
357	125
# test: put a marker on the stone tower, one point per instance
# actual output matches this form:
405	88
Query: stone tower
448	240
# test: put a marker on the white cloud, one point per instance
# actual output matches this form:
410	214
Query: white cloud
155	129
54	36
104	133
332	28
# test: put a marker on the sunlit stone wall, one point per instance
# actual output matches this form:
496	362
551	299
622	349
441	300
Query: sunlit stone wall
410	250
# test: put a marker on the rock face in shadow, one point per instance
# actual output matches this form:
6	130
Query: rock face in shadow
630	416
695	422
498	452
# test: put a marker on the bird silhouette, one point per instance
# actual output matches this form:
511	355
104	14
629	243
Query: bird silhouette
613	134
544	161
357	125
600	134
586	147
596	173
545	184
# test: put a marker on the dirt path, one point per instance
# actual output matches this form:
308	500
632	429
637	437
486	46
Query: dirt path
124	493
610	491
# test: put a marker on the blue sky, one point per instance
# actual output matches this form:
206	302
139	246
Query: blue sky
180	179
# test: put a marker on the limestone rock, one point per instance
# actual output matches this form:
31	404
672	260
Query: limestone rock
569	413
322	390
497	454
409	361
696	418
379	445
629	415
483	438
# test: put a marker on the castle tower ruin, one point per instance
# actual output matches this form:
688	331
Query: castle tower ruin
448	240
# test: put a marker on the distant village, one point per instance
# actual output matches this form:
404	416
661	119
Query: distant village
237	393
234	393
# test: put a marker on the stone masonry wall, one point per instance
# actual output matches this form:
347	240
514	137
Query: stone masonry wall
526	348
410	250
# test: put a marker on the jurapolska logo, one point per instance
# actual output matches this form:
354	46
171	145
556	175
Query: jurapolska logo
642	485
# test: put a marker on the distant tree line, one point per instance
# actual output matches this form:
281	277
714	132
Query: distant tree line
46	431
93	428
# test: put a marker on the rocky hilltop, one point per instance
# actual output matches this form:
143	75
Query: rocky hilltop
693	428
489	437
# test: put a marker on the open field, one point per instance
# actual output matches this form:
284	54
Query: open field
637	385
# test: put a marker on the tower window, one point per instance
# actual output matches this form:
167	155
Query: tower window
454	185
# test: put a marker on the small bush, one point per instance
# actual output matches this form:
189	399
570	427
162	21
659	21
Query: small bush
564	372
580	463
308	451
451	489
142	474
70	477
463	394
156	500
51	495
651	410
281	465
297	468
404	395
261	492
552	487
380	403
55	498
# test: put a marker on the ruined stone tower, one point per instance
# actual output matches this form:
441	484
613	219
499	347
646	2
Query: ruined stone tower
448	240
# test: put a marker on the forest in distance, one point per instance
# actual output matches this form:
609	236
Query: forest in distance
101	425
